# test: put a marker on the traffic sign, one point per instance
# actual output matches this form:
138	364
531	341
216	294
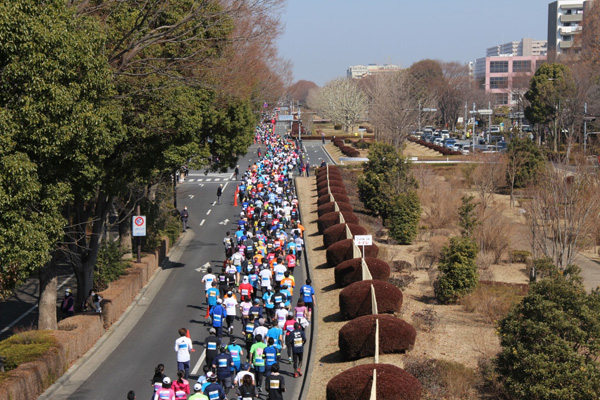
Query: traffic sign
485	112
363	240
138	226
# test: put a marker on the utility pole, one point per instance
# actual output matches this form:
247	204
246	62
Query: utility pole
585	129
474	127
489	123
419	116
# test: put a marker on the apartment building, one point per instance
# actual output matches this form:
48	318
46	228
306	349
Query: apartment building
564	22
523	48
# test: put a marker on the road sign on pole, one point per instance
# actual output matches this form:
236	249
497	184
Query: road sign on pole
138	227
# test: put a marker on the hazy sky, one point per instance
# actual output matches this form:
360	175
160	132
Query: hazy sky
322	38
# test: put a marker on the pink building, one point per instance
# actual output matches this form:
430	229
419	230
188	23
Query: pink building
506	78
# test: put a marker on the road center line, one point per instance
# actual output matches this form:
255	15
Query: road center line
202	223
208	212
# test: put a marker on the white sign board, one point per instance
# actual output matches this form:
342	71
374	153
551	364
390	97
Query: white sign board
363	240
138	227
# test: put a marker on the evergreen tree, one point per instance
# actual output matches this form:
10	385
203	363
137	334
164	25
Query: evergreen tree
458	270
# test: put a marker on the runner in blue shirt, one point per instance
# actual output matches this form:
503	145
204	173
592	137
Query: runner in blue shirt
236	352
271	355
308	297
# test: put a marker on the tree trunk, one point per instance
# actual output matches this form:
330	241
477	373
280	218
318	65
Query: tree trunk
125	234
47	301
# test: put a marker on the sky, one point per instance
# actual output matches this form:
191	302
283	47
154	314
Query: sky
322	38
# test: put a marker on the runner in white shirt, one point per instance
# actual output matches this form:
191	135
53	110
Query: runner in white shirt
279	271
265	279
230	304
183	345
281	315
208	279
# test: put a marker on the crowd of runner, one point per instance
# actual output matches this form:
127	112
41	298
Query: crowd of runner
255	292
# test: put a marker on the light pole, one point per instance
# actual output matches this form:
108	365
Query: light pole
474	128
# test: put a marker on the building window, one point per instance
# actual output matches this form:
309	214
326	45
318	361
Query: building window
501	98
521	66
499	82
498	66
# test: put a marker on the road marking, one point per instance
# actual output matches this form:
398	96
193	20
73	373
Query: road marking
224	222
208	179
227	183
217	179
16	321
191	196
200	180
232	174
191	180
202	223
199	363
203	268
214	202
208	212
201	184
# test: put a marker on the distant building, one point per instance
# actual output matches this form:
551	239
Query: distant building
360	71
523	48
506	78
564	22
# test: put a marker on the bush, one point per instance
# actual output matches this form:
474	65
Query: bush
330	207
361	144
492	300
356	339
404	217
337	127
343	250
458	270
333	189
333	218
350	271
25	347
393	383
335	233
338	197
355	300
109	265
330	178
331	183
441	378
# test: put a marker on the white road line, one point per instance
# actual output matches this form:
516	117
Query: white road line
199	363
201	184
191	180
232	174
200	180
208	212
227	183
191	196
202	223
16	321
214	202
217	179
208	179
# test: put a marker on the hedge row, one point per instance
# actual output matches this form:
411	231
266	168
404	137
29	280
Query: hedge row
335	233
333	218
350	271
444	150
343	250
355	300
357	337
347	150
330	207
393	383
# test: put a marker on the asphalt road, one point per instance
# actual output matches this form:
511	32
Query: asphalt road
127	356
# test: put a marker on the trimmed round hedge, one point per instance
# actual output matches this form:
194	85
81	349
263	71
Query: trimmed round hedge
350	271
330	178
341	251
337	232
331	183
333	172
332	189
355	300
340	198
356	339
330	207
393	383
332	218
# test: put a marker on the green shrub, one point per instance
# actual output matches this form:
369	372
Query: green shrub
458	270
361	144
25	347
109	266
404	217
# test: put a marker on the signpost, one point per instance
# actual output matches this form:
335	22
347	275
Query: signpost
138	229
363	240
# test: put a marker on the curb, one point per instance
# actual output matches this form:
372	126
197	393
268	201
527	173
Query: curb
312	348
329	155
50	391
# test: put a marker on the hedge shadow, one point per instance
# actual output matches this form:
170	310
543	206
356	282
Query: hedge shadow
341	251
332	218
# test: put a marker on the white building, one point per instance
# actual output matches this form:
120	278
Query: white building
360	71
523	48
564	22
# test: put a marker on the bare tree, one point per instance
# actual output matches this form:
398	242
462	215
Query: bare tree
340	100
451	92
488	176
562	212
393	110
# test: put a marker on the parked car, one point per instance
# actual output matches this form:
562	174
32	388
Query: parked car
494	129
445	133
449	143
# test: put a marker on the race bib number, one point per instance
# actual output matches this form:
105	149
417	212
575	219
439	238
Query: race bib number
213	395
298	342
211	346
182	346
274	384
244	292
